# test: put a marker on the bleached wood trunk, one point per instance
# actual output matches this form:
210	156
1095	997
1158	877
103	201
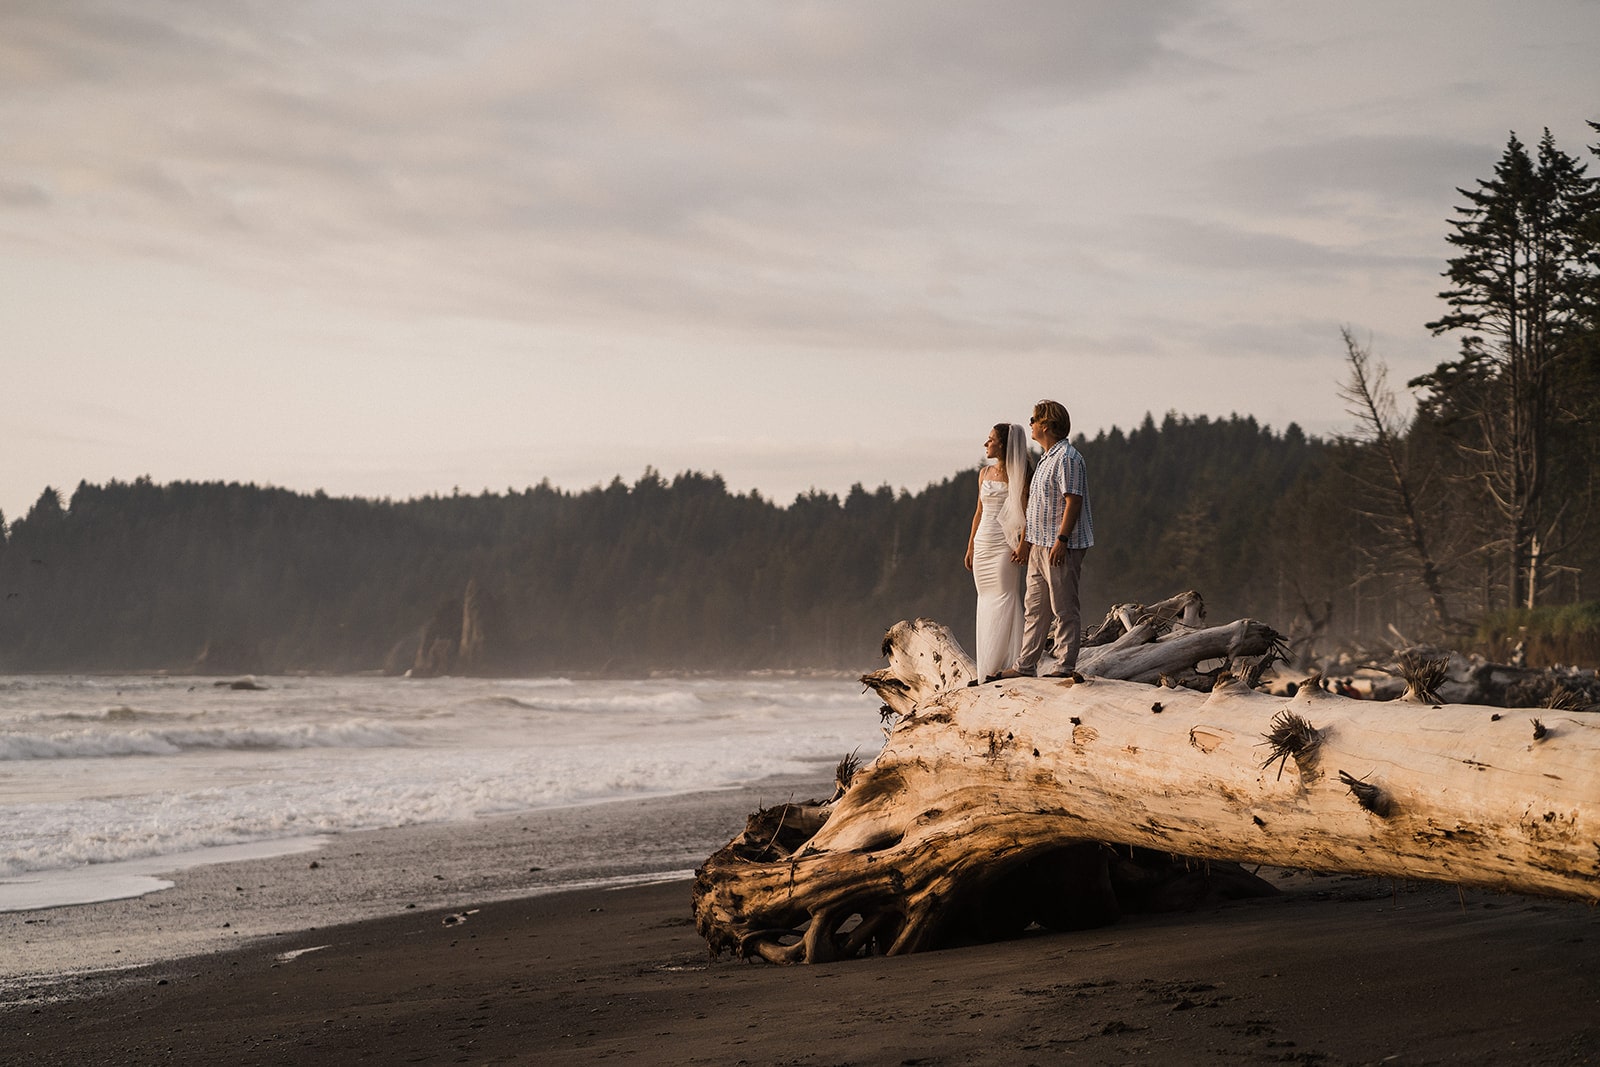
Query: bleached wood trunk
976	783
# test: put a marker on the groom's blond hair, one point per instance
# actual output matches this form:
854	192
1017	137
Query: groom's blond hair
1055	418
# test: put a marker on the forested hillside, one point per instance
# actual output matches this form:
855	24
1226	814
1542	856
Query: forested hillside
666	574
661	573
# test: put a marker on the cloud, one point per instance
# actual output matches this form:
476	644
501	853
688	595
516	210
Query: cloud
1387	175
798	171
650	159
23	194
1212	246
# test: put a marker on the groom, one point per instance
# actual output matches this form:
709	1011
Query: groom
1060	529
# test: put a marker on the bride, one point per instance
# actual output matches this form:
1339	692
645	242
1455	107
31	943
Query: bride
995	549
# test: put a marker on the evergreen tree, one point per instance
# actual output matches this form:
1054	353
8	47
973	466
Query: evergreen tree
1522	290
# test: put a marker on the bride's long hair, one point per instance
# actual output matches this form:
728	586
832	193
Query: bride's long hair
1019	468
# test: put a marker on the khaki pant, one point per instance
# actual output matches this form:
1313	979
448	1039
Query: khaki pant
1050	607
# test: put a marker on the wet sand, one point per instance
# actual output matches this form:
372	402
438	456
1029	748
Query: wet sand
1335	970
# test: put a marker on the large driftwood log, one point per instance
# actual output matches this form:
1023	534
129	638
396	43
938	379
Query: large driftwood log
986	807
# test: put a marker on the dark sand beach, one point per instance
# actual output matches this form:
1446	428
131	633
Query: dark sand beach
1335	970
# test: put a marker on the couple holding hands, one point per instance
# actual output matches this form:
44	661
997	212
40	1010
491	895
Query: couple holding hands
1043	523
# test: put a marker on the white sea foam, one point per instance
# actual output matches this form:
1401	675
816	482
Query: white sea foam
132	878
91	743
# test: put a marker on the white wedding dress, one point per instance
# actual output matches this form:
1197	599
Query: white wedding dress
999	583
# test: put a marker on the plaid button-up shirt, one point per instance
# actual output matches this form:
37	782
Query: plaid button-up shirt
1061	472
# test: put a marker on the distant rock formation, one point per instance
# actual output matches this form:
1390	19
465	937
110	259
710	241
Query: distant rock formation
458	639
246	684
471	648
437	643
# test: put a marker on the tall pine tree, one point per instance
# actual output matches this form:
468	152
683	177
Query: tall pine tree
1522	291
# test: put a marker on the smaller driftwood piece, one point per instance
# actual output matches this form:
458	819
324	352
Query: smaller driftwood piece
1063	802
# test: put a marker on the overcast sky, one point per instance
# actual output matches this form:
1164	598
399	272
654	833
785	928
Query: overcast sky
392	247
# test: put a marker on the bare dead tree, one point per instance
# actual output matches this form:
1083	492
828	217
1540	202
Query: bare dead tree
1396	512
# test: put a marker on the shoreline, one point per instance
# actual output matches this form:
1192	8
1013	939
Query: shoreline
465	942
220	679
370	874
1334	970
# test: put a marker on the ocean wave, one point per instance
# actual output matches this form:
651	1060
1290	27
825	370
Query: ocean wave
392	791
619	703
113	714
96	744
507	701
376	753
